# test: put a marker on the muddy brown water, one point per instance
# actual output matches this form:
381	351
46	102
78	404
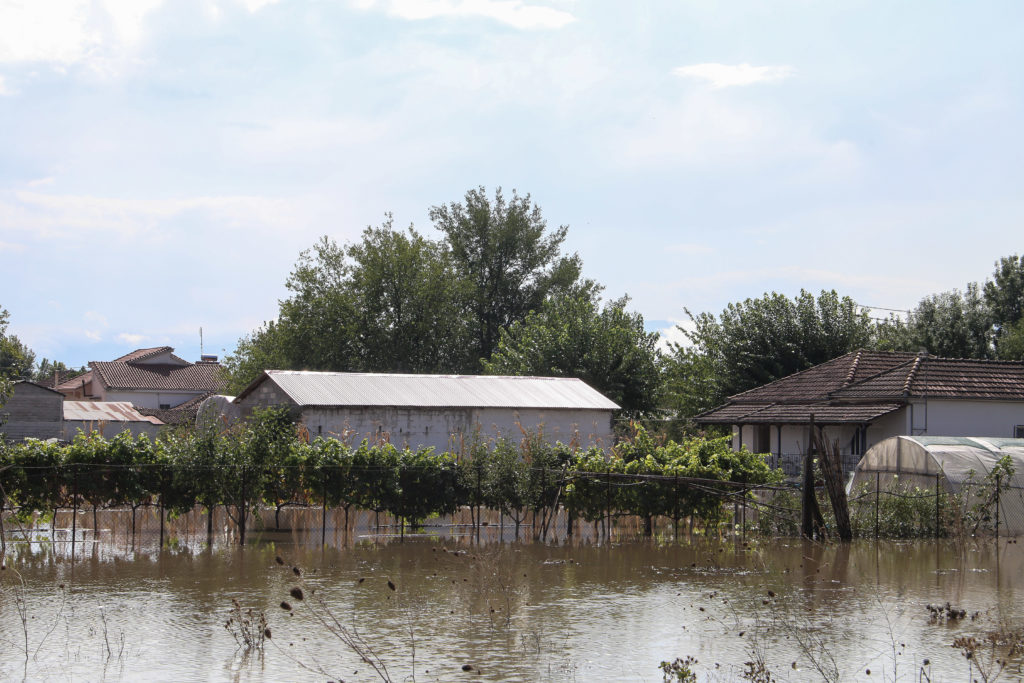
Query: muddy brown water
574	610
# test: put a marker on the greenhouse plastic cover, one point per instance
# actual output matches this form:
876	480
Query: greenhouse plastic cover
956	457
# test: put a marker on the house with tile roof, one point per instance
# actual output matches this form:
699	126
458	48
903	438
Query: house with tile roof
864	397
150	379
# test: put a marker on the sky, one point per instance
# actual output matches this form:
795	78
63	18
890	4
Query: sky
164	162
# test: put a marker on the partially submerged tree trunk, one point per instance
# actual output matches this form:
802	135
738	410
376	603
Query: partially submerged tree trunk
832	469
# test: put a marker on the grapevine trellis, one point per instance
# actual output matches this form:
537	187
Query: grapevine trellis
266	462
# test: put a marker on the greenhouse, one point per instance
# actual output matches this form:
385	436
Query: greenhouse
959	465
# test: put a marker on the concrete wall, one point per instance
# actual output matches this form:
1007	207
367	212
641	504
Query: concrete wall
455	429
108	429
32	412
151	399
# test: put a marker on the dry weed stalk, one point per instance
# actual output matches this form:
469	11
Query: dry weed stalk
306	598
249	628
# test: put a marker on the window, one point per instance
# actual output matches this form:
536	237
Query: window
165	406
1018	432
762	439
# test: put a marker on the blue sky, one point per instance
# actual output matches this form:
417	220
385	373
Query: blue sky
162	163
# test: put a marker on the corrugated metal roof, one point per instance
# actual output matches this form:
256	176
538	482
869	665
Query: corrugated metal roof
434	391
105	411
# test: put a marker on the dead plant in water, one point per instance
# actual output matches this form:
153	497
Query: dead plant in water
249	628
302	597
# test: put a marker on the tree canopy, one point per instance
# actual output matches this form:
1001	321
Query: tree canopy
509	261
495	283
760	340
572	335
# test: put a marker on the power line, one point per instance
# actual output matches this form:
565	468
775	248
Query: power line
883	308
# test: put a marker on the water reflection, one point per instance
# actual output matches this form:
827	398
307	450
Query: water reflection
573	610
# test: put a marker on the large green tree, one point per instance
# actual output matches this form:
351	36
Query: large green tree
409	303
507	257
1004	293
951	324
389	302
572	335
398	301
760	340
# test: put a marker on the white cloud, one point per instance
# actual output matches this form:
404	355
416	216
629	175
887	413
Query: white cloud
702	130
98	32
129	338
82	216
674	335
4	90
69	31
92	335
515	13
729	75
256	5
11	247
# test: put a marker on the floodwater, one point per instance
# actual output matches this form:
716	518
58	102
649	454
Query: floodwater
575	610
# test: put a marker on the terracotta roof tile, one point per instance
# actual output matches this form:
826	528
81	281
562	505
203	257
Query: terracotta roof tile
864	385
142	354
816	383
935	377
796	413
121	375
75	382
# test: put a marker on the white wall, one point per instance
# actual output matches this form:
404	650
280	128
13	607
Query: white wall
944	417
454	429
151	399
794	438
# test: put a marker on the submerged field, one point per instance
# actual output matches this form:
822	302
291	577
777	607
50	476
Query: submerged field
465	610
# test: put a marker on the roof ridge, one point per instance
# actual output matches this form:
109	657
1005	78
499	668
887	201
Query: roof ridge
443	375
853	368
861	353
789	376
913	373
874	376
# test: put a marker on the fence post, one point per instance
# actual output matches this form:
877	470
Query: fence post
608	503
675	507
323	514
997	507
74	509
163	492
478	501
744	527
938	492
807	492
243	512
878	485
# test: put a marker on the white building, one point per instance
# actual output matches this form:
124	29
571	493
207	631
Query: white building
446	412
864	397
150	379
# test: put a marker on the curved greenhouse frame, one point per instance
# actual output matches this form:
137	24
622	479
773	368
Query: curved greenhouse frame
952	462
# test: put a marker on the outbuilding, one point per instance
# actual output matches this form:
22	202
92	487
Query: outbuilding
951	464
107	418
32	411
445	412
